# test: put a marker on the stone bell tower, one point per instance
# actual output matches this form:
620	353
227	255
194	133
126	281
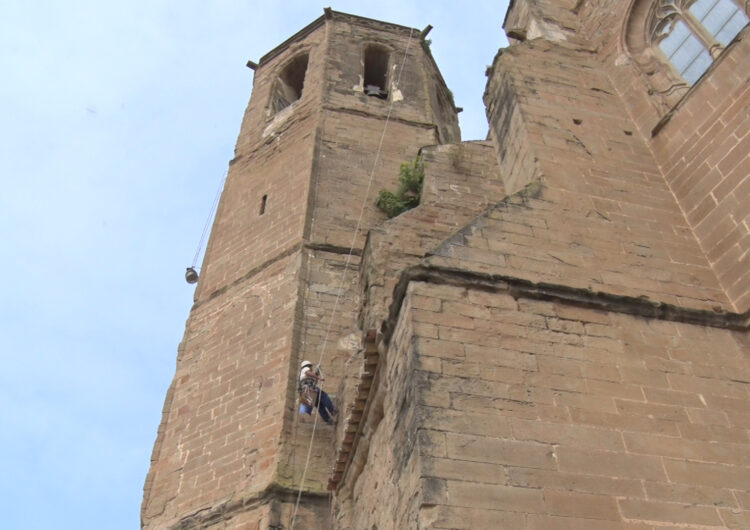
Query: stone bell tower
284	251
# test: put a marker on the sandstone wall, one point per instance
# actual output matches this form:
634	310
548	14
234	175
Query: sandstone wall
536	414
351	128
347	177
704	152
698	135
220	434
274	158
552	339
278	283
383	488
461	180
596	212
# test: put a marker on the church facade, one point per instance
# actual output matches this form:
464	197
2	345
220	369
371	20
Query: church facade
556	336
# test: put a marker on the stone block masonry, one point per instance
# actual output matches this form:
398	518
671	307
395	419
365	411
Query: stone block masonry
556	337
283	254
539	414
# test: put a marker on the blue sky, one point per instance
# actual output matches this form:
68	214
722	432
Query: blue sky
118	120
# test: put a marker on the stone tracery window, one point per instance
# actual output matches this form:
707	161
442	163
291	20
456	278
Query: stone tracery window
692	33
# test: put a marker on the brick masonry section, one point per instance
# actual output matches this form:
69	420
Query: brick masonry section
537	414
232	448
706	152
556	337
594	212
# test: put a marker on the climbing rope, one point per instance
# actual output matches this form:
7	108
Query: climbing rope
346	269
208	220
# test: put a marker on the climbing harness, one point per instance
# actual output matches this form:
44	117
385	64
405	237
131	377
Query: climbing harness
309	392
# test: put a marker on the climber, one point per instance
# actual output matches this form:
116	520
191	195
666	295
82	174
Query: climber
310	395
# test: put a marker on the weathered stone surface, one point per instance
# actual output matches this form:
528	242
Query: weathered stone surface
555	337
283	254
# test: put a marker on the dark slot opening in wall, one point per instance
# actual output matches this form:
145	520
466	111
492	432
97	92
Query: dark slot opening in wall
376	72
288	87
263	202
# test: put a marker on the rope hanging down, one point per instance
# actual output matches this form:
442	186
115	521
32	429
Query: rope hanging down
191	276
208	219
346	269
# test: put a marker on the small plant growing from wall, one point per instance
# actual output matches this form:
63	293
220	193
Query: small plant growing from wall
411	177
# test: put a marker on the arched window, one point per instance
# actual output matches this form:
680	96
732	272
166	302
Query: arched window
288	86
376	72
692	33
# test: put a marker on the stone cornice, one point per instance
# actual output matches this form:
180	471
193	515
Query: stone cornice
206	517
520	288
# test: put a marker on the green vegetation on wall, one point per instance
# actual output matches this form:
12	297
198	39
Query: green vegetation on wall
411	176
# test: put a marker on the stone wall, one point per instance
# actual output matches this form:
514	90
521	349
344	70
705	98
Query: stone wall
553	338
599	214
698	135
704	152
279	280
572	358
383	489
242	239
346	179
221	429
220	441
536	414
